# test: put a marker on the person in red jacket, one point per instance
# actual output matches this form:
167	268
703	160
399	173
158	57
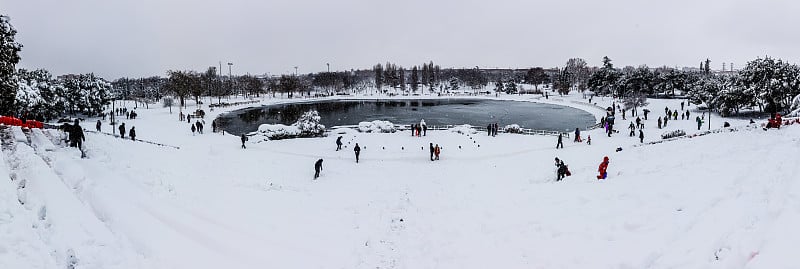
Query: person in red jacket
602	168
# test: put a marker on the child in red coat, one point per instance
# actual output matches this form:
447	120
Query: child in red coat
602	168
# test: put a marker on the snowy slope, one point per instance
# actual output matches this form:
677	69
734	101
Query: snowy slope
723	200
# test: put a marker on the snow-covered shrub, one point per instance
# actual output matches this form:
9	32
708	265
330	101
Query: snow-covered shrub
672	134
309	125
306	126
276	132
376	126
464	129
513	128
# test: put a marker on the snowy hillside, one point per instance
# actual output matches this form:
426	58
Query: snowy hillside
723	200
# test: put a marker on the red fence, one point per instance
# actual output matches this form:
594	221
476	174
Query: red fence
18	122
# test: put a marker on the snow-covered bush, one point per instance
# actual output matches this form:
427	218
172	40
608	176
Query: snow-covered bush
276	132
309	125
376	126
464	129
513	128
306	126
672	134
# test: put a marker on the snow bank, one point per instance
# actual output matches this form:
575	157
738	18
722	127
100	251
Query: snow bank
376	126
306	126
464	129
513	128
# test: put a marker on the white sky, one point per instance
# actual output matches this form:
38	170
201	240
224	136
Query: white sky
147	37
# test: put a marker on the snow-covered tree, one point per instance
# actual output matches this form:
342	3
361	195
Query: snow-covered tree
605	80
86	93
9	57
772	83
38	96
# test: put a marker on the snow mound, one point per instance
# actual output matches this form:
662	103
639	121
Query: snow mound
306	126
376	126
464	129
513	128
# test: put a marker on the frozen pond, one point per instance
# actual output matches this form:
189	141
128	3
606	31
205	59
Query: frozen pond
477	112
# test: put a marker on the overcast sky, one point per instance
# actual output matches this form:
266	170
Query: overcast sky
115	38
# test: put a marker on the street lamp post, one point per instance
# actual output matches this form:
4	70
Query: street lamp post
230	77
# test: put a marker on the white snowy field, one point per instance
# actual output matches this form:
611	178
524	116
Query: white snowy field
723	200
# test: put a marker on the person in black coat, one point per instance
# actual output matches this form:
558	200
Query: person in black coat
432	150
339	143
122	130
641	136
357	150
317	168
76	137
244	138
132	133
560	141
97	126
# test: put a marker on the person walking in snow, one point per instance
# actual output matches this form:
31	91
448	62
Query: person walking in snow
577	135
436	151
432	151
589	140
97	126
122	130
602	169
675	115
423	126
641	136
199	127
623	114
687	114
633	130
338	143
244	139
76	136
645	113
681	105
317	168
214	126
659	122
357	150
666	119
194	129
132	133
413	127
560	142
699	122
489	129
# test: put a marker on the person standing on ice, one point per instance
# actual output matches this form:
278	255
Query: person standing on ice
432	151
357	150
244	139
560	141
122	130
602	169
132	133
339	143
97	126
317	168
641	136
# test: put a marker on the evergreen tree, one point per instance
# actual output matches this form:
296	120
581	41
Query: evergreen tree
414	79
9	57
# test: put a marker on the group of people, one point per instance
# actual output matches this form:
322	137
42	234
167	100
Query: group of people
197	127
131	133
120	111
420	129
673	115
492	129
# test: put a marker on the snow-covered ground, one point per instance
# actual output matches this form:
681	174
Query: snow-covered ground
723	200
